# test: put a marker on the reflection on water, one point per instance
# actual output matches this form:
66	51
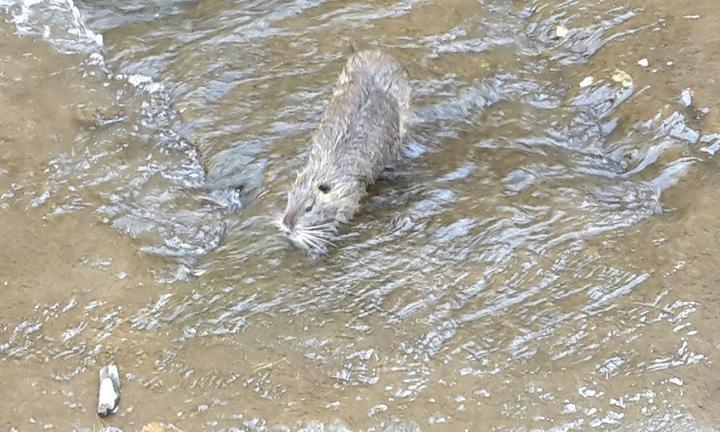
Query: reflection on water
505	279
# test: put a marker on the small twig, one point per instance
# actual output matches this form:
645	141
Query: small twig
271	365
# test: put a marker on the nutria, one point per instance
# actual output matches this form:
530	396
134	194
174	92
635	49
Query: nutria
359	135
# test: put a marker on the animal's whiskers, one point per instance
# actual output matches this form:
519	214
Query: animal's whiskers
311	242
324	227
318	236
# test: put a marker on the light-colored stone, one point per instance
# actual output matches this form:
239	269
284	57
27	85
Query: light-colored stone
109	392
587	82
686	98
561	31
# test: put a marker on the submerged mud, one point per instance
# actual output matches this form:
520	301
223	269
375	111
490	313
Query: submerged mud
543	259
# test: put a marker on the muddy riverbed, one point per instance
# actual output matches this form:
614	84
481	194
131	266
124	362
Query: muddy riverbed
544	260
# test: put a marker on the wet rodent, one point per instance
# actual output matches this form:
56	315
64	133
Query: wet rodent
359	135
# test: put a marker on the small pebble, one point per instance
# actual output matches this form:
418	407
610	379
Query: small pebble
380	408
686	98
644	62
569	408
561	31
587	82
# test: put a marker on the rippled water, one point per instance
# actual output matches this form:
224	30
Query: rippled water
517	273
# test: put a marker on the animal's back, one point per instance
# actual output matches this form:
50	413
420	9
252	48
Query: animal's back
363	126
359	135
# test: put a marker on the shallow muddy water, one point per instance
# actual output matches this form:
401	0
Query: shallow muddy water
543	260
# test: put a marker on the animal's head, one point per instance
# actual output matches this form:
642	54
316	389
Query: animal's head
317	204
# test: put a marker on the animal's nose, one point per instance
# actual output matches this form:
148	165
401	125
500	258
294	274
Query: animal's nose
289	221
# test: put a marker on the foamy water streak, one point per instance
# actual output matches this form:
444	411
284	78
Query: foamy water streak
57	21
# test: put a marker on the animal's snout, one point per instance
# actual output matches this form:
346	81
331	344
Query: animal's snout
289	221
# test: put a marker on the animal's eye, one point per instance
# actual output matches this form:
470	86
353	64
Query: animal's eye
308	208
324	188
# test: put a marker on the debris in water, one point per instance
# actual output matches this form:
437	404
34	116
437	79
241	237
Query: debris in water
109	393
587	82
676	381
644	62
87	115
620	76
561	31
379	408
686	98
